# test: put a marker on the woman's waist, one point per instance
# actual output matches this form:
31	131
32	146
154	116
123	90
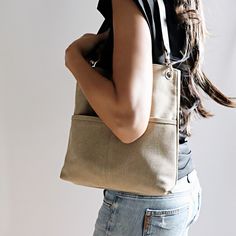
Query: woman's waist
184	148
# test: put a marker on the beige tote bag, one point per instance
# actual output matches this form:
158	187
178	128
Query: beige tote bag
95	157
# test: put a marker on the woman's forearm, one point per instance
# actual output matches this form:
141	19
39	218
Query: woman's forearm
99	91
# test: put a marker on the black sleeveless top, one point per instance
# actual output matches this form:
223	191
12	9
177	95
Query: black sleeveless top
150	11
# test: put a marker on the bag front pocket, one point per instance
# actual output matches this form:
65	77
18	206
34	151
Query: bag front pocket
87	133
96	157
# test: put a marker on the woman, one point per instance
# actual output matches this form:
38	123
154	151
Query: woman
129	47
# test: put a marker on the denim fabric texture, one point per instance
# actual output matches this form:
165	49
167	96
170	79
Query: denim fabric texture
129	214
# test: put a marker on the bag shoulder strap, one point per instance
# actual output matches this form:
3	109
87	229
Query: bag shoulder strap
164	30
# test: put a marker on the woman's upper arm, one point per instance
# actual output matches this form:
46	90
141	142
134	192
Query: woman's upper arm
132	69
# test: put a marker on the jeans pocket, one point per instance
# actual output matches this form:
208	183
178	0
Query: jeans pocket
170	220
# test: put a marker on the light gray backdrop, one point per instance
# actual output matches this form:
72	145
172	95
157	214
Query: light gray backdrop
36	100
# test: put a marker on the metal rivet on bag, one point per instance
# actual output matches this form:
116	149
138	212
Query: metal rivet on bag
169	73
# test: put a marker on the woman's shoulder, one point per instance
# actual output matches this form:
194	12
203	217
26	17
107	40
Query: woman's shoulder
150	11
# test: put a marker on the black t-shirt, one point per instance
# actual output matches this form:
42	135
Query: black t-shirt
150	11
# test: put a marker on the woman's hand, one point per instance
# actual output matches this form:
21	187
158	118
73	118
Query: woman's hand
83	46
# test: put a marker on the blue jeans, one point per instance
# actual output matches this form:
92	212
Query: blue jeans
129	214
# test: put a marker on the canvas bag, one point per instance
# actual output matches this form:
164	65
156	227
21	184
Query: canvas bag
95	157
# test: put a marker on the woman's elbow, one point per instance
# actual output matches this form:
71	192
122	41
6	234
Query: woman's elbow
129	129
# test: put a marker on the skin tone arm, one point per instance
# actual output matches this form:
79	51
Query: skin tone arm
123	104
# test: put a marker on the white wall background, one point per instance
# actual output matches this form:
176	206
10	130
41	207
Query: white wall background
36	100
